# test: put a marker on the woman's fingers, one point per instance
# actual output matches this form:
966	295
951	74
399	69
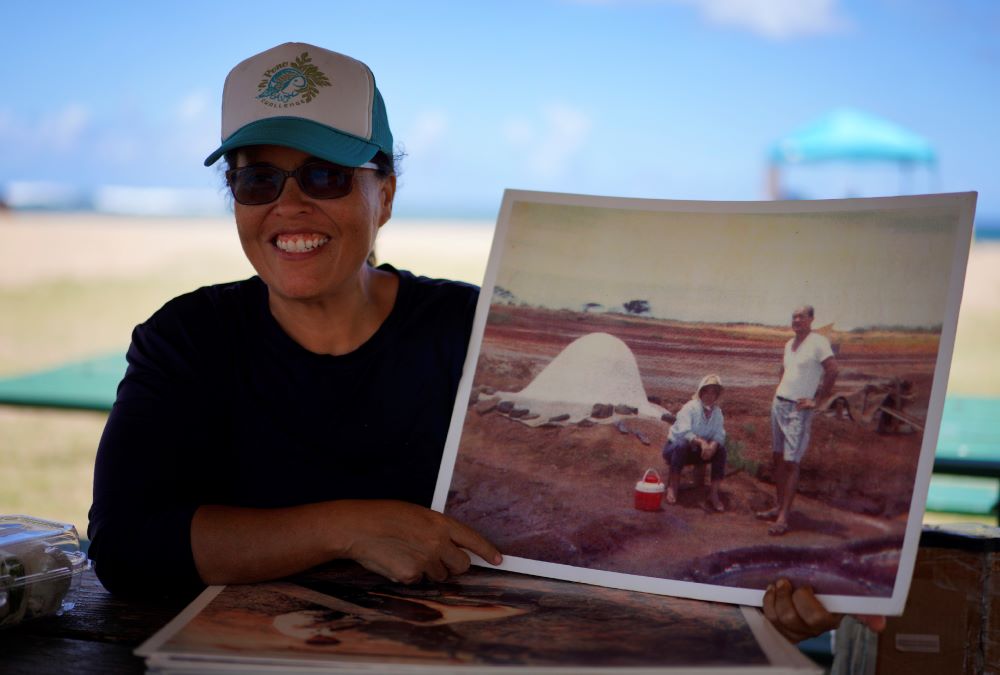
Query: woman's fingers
797	613
466	537
406	542
813	614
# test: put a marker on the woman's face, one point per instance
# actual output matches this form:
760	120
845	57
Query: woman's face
336	235
710	394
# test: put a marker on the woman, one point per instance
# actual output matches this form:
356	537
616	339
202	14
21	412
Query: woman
255	417
273	424
698	437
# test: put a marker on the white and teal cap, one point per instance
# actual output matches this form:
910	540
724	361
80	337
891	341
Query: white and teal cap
308	98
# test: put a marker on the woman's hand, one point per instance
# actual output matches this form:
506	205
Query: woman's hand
798	614
708	449
401	541
405	542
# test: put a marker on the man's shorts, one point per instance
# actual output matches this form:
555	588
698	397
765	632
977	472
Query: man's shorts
790	429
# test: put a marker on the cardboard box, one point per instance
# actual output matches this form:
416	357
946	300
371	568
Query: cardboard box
952	619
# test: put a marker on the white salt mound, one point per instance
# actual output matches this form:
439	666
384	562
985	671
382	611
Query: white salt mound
595	368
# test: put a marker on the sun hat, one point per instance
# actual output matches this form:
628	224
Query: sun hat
708	381
308	98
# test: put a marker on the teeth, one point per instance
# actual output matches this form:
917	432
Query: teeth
298	243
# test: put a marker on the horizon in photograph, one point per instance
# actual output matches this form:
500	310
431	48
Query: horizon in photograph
694	265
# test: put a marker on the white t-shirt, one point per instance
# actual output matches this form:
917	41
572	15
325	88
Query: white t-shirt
804	367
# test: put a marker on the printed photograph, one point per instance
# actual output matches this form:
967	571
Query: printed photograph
344	615
695	397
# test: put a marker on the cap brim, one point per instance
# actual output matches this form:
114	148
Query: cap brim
311	137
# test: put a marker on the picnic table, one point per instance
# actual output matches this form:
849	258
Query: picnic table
969	445
96	636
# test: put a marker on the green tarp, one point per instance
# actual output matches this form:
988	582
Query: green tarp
86	385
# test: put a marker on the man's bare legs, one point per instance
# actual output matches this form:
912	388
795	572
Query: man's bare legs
714	500
786	483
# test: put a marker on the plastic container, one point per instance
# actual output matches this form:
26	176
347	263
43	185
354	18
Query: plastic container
649	491
40	567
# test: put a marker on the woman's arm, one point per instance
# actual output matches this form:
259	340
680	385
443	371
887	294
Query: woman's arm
401	541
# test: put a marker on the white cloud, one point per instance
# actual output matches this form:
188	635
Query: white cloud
550	143
192	107
774	19
771	19
426	133
60	130
64	129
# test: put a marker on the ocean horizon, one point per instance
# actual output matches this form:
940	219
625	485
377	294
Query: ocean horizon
207	203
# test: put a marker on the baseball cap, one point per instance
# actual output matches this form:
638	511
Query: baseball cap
308	98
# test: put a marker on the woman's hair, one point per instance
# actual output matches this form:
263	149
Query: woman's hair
387	166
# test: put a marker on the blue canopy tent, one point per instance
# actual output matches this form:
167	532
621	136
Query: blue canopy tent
850	135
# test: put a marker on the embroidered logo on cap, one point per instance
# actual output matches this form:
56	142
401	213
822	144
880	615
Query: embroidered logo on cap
288	84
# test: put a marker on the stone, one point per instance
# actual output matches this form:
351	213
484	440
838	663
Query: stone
602	411
505	407
623	409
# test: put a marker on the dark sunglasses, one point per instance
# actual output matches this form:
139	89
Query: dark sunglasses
263	183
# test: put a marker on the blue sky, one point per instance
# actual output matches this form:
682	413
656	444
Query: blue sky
666	99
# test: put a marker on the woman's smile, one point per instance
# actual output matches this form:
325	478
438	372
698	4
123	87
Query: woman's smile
295	243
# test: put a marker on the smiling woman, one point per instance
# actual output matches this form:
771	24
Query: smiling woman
309	403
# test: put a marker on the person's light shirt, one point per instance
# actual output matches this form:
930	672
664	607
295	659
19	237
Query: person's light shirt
691	421
804	367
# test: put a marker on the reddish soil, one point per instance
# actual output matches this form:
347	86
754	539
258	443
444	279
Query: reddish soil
566	494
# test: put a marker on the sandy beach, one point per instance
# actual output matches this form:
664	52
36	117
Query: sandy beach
40	247
100	254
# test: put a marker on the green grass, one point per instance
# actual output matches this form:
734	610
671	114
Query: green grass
48	462
47	456
735	458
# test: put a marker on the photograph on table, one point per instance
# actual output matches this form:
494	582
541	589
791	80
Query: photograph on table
344	618
697	398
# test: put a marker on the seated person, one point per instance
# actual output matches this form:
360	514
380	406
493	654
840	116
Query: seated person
697	437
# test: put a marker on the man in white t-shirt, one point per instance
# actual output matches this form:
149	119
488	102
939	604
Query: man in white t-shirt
808	372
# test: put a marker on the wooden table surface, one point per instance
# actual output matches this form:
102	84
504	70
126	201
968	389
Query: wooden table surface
96	636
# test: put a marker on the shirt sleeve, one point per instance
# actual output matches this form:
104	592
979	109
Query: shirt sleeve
719	428
823	349
683	426
147	466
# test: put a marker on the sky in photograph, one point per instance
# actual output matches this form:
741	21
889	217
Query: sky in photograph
672	99
865	267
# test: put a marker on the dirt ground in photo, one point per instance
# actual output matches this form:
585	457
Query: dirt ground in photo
566	493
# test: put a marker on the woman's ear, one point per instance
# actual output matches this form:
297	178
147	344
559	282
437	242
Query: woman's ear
387	193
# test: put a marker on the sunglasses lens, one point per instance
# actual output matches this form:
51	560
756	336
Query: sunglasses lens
325	181
256	184
262	184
